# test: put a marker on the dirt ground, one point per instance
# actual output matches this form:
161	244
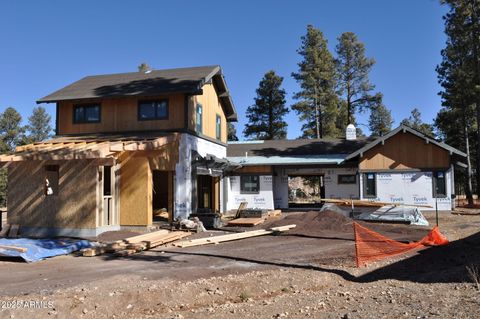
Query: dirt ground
307	272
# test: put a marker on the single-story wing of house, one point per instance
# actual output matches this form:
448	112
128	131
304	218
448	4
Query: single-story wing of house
402	167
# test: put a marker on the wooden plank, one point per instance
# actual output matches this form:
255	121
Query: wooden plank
231	237
19	249
249	222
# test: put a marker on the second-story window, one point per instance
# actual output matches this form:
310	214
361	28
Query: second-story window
199	119
218	126
86	113
153	110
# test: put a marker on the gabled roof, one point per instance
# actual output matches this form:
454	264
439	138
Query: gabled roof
405	128
150	83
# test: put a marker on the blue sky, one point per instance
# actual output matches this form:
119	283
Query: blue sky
45	45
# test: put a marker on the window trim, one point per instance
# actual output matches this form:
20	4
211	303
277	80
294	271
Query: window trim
156	118
249	192
84	106
434	184
339	176
218	127
365	195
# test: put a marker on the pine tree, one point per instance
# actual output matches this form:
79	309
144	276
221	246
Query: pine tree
415	121
318	103
11	135
11	131
265	116
457	76
353	68
144	67
38	127
380	121
232	132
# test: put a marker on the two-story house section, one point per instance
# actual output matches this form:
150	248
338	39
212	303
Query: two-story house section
127	146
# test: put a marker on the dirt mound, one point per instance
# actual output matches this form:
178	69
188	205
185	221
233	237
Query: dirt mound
314	221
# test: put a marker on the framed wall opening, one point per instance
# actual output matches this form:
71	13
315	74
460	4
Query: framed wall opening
162	196
305	191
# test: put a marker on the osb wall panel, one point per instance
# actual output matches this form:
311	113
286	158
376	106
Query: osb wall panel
135	191
405	151
211	107
73	207
121	114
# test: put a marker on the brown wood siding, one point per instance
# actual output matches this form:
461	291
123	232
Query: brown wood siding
73	207
405	151
121	114
254	170
211	108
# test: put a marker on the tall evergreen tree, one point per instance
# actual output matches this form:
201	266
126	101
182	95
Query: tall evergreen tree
38	127
11	130
458	76
317	103
353	68
415	121
265	117
380	121
231	132
11	135
144	67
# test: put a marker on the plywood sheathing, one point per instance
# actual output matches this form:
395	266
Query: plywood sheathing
73	207
405	151
136	182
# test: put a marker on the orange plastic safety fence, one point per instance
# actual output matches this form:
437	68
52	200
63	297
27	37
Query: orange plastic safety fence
371	246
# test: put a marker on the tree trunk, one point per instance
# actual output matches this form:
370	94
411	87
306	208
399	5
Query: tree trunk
468	190
475	35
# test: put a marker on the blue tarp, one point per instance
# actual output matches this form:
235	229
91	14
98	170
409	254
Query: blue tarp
38	249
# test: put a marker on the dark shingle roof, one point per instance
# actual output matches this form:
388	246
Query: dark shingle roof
155	82
300	147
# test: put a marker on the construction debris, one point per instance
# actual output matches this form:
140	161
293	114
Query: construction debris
367	203
136	244
230	237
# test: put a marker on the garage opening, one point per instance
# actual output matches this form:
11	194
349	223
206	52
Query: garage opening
305	191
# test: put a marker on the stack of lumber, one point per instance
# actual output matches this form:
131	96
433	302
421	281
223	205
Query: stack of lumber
136	244
253	221
230	237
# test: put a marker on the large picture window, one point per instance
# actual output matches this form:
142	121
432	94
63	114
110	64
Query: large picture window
249	184
369	185
439	184
153	110
86	113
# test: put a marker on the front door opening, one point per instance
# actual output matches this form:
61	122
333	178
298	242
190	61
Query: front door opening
204	192
162	195
305	191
